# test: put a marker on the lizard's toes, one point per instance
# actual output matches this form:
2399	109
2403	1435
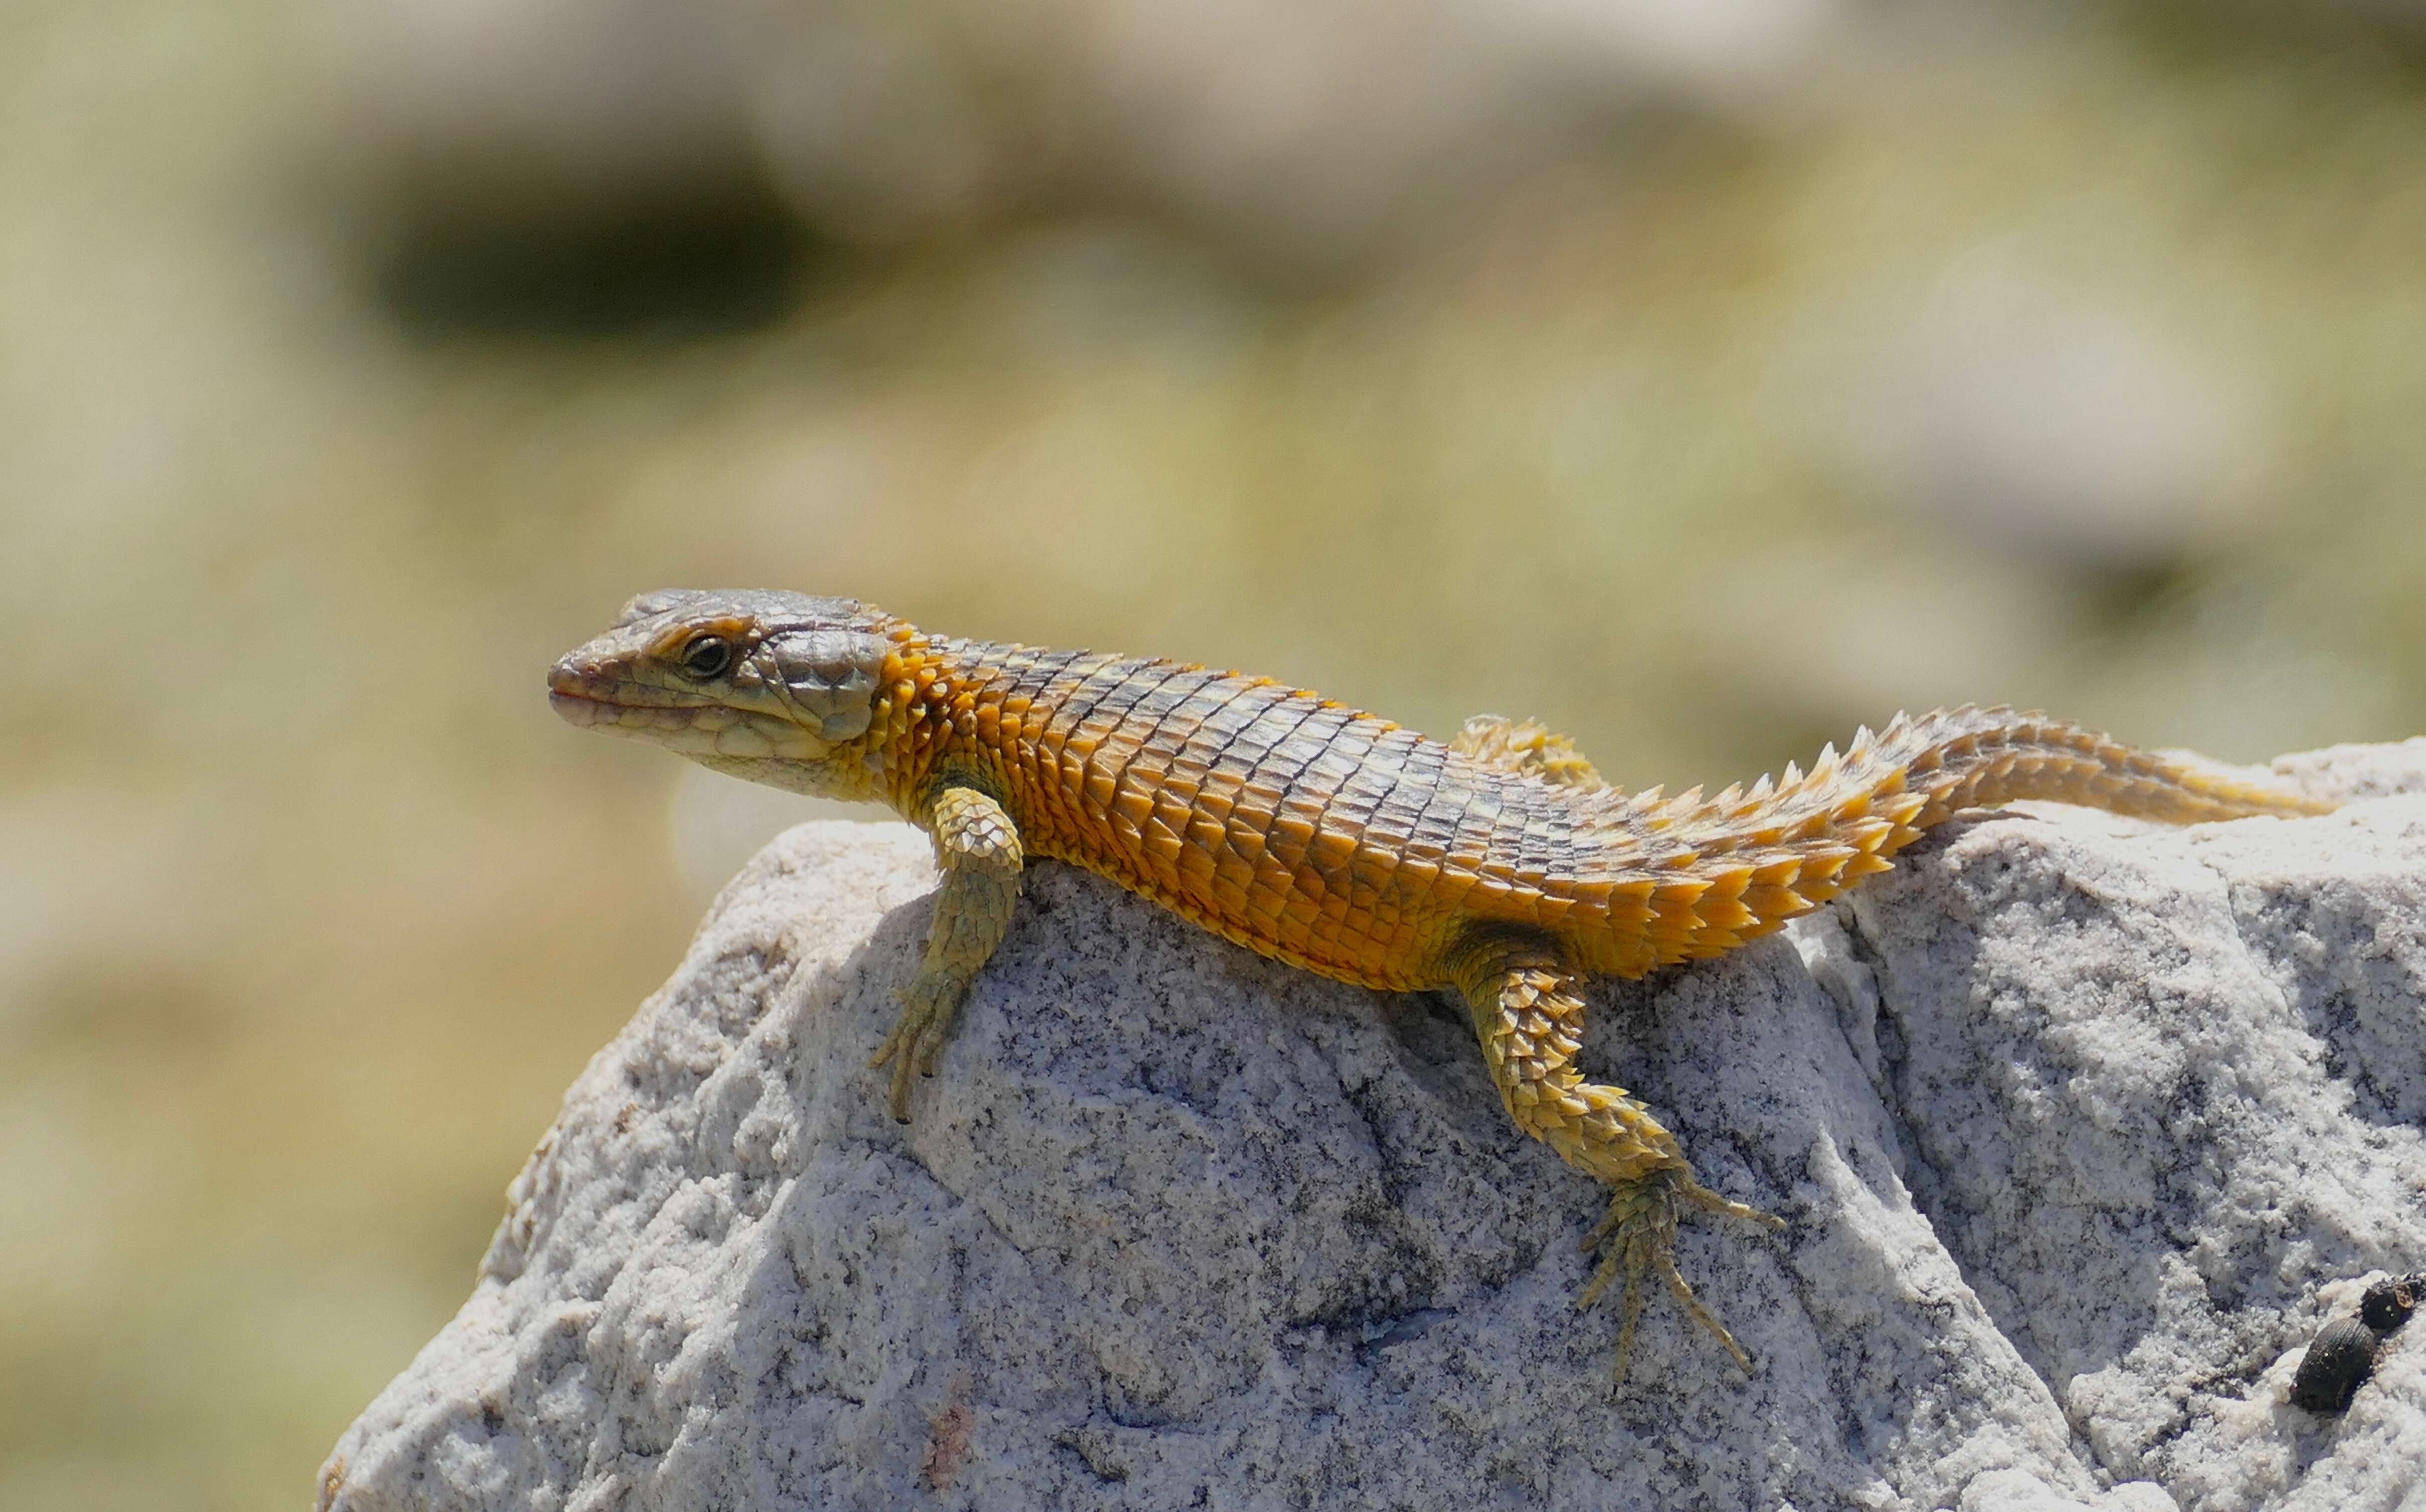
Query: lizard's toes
917	1039
1709	1202
904	1033
886	1050
1638	1239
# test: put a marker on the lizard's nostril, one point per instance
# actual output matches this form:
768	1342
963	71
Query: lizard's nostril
571	694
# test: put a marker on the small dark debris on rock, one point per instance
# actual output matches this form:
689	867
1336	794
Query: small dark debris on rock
2343	1354
2388	1303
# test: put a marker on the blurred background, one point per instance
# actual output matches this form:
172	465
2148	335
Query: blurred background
1703	377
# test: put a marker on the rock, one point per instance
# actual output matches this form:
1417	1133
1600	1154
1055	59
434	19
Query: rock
2048	424
1305	136
1263	128
2083	1128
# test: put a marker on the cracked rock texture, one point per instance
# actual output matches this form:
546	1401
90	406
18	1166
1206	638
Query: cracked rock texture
2083	1128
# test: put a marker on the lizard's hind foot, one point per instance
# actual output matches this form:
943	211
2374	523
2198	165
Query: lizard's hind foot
1637	1237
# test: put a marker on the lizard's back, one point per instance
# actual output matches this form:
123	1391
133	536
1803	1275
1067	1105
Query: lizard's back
1300	828
1337	841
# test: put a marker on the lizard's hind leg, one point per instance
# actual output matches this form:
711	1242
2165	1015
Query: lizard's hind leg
1529	1020
1526	748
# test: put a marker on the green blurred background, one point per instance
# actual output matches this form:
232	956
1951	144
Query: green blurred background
1703	377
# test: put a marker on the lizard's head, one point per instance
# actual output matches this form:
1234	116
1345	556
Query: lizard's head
776	687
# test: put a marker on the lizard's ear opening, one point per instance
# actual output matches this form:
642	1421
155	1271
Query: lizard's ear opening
831	675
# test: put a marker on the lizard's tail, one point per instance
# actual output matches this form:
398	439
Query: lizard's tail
1727	869
1970	758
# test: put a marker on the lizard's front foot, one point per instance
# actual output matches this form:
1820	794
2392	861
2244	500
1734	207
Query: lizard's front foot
916	1041
1640	1236
978	846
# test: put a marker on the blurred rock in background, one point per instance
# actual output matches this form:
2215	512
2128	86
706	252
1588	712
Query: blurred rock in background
2040	423
1302	139
546	165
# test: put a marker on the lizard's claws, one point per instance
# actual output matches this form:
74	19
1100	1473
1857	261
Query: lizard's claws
916	1042
1640	1233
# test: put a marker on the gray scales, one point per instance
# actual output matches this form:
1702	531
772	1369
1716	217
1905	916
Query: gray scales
2085	1126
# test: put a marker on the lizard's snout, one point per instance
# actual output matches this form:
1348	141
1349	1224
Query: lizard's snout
573	691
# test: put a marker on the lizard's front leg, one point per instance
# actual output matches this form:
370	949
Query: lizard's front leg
978	847
1530	1019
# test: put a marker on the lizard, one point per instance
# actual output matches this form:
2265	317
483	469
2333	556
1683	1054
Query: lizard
1498	865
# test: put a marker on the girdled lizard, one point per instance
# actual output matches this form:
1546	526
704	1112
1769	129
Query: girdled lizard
1499	865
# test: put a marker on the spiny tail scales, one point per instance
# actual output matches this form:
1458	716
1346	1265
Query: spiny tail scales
1717	872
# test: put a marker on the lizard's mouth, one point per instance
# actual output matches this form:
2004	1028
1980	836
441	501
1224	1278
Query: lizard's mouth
584	696
594	694
576	710
573	694
665	723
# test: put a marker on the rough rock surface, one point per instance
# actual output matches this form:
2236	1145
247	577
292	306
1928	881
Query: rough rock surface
2082	1126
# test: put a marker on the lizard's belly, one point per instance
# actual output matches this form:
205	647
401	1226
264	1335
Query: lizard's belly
1367	909
1367	936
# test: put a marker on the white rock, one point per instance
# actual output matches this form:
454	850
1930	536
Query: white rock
2052	423
1178	1227
1294	131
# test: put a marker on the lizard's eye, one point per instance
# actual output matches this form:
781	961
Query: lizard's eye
707	657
